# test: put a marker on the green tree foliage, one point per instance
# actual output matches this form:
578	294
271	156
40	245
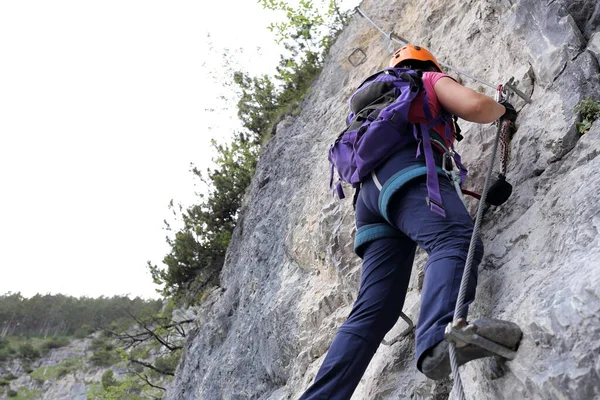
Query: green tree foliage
6	352
130	388
169	362
83	331
198	249
306	35
258	105
60	315
108	379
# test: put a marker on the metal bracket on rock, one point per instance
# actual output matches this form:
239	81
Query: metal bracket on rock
511	86
362	59
462	334
402	334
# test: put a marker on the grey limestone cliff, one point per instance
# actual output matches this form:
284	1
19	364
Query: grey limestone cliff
291	276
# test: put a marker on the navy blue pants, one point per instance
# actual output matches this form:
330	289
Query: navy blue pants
387	265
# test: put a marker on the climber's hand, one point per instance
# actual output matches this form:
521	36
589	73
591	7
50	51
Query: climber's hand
510	114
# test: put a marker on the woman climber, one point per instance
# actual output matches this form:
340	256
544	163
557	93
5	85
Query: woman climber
389	231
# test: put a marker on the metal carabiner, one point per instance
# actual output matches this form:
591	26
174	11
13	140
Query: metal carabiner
448	157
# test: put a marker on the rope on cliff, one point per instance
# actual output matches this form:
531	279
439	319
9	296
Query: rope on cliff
467	271
395	38
459	321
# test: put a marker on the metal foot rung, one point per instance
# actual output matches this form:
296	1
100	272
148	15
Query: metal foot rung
466	335
402	334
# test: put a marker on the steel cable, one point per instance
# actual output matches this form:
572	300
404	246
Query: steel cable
468	265
390	35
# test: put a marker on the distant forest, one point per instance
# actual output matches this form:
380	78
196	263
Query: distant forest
58	315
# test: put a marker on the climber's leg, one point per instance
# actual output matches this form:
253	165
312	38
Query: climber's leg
446	240
386	269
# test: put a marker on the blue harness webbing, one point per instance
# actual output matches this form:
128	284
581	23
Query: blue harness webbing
397	181
371	232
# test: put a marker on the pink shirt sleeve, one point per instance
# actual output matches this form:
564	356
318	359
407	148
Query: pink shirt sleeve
416	110
433	77
429	81
416	113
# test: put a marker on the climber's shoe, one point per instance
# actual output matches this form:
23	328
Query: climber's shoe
435	363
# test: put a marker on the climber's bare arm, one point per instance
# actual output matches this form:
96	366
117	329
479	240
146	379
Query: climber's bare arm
467	103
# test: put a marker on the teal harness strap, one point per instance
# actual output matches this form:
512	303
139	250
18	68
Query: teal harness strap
397	181
371	232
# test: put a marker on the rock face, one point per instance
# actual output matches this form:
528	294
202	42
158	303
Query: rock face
70	386
65	373
291	276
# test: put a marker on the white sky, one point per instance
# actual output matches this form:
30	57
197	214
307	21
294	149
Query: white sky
102	109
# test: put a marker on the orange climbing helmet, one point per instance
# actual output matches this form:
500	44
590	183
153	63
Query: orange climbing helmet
412	52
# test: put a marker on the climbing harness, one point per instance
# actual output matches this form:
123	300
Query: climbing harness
458	331
451	173
397	39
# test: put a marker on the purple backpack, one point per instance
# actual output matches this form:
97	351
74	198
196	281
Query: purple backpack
378	126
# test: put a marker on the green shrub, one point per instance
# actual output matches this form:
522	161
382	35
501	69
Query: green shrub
103	353
62	372
52	372
39	380
130	388
168	363
28	352
55	343
10	377
4	355
84	331
4	382
590	111
108	379
5	350
73	363
104	358
12	393
98	344
27	368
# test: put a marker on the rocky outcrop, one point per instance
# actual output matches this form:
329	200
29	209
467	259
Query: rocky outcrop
66	373
290	276
44	383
